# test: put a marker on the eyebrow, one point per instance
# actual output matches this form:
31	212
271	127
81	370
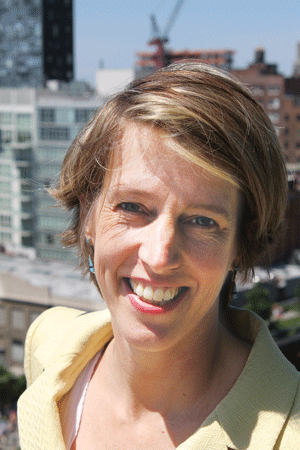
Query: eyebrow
120	190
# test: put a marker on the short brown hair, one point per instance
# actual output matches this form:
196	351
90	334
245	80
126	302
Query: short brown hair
210	119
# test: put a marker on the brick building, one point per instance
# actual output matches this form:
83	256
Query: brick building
280	97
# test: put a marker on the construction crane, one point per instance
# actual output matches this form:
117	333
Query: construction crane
160	39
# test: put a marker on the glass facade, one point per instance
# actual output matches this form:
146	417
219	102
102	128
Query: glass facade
36	42
57	126
21	43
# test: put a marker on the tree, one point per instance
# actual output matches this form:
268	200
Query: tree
259	301
297	290
11	387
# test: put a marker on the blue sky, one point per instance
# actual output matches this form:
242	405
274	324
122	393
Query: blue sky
113	30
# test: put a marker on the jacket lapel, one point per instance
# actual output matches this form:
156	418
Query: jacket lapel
39	421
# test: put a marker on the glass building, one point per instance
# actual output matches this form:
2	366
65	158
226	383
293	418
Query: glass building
36	42
37	127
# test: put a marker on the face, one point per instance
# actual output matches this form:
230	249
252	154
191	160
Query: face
164	236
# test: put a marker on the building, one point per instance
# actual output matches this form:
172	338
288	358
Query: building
36	42
37	127
60	117
149	62
280	97
18	140
267	86
27	288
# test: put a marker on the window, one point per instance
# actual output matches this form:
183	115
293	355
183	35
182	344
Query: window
258	90
5	221
4	187
5	237
17	351
64	115
5	204
273	89
27	241
26	207
83	115
33	316
286	131
26	224
25	172
297	144
55	134
5	170
286	145
18	319
23	136
5	118
286	117
47	115
273	103
50	239
5	136
24	120
47	183
274	117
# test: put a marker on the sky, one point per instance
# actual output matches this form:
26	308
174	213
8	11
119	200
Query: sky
112	31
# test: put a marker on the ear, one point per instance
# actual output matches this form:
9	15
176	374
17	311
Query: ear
90	230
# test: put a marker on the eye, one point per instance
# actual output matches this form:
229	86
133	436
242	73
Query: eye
204	222
130	207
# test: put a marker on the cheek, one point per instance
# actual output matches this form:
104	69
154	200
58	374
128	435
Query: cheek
212	255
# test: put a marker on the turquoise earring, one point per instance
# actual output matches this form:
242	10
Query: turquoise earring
91	265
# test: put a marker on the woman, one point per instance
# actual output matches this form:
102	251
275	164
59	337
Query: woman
177	183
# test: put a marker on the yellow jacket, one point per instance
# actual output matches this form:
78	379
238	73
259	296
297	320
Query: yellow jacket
261	412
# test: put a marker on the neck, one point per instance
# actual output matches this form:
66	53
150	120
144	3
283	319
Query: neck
172	379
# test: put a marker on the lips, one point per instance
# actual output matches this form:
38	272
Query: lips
155	296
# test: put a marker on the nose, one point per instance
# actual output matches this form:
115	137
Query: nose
160	248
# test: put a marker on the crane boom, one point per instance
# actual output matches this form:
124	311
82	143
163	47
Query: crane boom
159	40
172	18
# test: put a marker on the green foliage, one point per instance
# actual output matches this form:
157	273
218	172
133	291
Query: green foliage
259	301
11	387
297	290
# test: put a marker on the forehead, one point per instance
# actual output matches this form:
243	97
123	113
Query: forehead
144	159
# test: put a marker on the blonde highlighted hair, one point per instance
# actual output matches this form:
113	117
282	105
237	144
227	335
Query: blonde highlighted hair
209	119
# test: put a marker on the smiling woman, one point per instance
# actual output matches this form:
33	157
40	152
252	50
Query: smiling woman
177	183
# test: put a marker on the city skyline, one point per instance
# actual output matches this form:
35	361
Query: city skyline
112	32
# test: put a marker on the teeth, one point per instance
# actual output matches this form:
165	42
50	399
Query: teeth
148	293
158	295
155	296
168	294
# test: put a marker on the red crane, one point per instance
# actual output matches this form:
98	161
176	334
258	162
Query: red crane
160	39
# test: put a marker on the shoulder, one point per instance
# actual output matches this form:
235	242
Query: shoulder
53	331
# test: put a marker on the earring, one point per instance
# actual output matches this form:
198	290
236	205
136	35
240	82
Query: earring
228	291
232	291
91	265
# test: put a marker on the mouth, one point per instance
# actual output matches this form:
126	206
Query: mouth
155	296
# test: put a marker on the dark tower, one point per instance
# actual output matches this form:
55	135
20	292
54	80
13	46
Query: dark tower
58	59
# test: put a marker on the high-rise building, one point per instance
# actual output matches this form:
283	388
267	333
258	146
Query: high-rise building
60	117
37	127
36	42
18	140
